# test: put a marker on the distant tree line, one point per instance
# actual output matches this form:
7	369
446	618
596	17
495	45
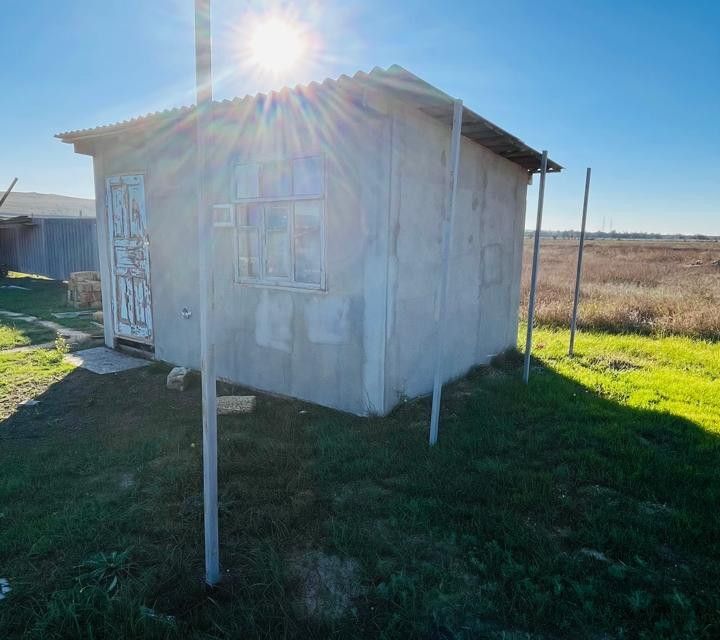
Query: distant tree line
620	235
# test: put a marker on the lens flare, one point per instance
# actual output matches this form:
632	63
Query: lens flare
277	45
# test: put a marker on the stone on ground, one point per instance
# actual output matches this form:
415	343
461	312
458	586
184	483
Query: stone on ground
178	379
227	405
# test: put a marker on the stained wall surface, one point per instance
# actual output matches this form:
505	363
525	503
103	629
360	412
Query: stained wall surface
485	256
366	341
322	346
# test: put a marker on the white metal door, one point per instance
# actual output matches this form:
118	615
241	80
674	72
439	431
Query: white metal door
129	256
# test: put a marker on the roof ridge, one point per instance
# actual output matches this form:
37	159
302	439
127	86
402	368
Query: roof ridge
396	81
236	100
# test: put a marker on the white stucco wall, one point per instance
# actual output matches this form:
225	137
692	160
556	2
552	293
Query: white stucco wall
485	261
322	346
368	340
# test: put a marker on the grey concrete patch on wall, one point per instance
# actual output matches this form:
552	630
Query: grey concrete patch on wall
273	320
102	360
364	340
492	264
328	320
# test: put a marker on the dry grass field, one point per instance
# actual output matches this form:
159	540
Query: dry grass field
650	287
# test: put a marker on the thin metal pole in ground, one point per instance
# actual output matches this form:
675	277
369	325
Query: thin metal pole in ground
7	193
578	275
203	75
533	278
440	309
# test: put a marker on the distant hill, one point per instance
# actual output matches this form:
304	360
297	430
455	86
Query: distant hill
46	205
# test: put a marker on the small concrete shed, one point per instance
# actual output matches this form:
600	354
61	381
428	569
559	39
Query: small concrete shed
329	201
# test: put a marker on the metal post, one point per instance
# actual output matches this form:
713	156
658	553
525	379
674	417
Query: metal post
440	309
573	322
7	193
203	75
533	278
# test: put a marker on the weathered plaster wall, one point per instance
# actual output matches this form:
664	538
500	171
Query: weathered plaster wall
485	261
368	340
322	346
167	161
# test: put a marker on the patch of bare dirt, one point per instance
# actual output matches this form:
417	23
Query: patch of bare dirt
614	364
326	587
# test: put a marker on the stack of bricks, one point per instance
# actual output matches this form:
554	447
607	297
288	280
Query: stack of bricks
84	290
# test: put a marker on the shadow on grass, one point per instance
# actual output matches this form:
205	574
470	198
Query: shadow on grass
40	297
17	333
544	512
35	296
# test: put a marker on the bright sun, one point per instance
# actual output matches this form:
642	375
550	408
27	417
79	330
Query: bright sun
277	44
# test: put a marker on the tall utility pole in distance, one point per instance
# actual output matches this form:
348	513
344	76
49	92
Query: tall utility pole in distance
203	77
578	275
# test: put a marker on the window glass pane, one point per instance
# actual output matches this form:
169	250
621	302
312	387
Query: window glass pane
308	176
247	181
248	253
277	243
249	215
222	216
308	251
276	179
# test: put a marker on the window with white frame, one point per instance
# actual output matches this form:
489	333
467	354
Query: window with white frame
279	220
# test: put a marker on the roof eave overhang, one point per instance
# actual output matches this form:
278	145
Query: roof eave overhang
439	105
395	81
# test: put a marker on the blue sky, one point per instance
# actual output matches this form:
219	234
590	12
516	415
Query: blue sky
629	88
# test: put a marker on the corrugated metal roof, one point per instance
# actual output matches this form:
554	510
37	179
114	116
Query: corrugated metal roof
395	81
15	221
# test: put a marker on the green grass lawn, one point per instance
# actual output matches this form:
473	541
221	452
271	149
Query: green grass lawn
41	298
16	333
586	505
23	376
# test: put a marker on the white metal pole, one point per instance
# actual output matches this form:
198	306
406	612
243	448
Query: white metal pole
578	275
203	74
533	278
440	309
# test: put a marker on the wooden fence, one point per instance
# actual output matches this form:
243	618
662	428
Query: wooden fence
52	247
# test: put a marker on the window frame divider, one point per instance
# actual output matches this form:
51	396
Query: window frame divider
288	282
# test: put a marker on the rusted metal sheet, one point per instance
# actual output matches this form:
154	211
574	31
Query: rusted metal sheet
127	216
